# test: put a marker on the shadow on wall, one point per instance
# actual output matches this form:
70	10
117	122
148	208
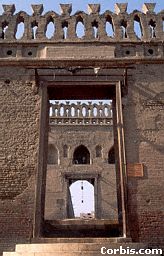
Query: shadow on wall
81	155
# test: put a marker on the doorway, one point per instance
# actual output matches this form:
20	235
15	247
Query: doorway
85	90
82	199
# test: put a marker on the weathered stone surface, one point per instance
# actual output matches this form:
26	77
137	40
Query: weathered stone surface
148	7
37	9
93	8
8	9
121	7
66	9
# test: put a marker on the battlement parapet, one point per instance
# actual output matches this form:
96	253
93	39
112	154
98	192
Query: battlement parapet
81	113
94	24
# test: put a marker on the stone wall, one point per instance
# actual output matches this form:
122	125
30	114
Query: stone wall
18	152
144	133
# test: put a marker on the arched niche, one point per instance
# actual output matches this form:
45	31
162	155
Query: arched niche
65	151
98	151
52	155
81	155
111	156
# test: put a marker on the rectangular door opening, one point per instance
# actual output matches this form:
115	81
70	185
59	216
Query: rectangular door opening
81	199
81	144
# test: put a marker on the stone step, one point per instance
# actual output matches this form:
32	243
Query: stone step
71	249
74	247
83	240
63	254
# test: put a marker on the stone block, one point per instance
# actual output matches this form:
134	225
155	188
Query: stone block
148	7
37	9
8	9
66	9
93	8
121	7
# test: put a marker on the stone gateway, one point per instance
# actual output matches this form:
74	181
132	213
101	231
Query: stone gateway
81	106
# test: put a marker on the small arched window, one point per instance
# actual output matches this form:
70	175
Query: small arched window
98	151
50	30
34	28
81	155
109	26
20	30
111	156
52	155
124	28
138	27
80	30
95	28
152	26
65	29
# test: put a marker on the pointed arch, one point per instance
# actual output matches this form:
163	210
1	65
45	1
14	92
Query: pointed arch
50	29
138	27
152	26
34	27
20	30
95	29
123	25
80	29
109	26
65	29
81	155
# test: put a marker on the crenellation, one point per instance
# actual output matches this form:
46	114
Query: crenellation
37	9
148	7
8	9
66	9
93	8
122	22
121	8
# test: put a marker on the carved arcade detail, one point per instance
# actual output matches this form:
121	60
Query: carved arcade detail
65	25
80	113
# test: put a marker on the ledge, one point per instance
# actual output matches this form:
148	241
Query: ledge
104	63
